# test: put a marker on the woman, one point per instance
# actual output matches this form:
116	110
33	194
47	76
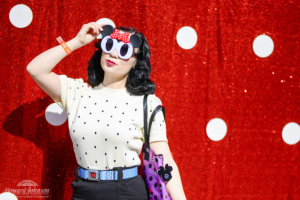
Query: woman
105	117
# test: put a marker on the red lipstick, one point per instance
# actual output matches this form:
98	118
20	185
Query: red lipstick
110	63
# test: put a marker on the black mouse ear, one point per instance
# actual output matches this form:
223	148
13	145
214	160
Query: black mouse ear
107	30
135	40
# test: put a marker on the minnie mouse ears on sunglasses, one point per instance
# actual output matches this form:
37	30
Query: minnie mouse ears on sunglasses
134	39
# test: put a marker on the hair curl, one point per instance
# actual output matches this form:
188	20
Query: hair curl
138	81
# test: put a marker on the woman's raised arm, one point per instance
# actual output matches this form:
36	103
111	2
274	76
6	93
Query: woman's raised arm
41	66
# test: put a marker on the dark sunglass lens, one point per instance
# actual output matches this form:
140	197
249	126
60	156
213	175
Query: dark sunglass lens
109	44
124	50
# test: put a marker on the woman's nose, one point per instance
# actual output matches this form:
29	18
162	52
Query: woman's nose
114	53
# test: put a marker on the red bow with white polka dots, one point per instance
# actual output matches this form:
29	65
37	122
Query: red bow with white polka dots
120	36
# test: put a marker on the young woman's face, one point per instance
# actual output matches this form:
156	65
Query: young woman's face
113	65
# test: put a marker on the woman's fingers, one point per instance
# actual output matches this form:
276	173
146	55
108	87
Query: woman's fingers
95	29
87	28
100	26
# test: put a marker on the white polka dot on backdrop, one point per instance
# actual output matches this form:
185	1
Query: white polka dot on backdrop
216	129
105	21
186	37
55	115
263	46
8	196
20	16
291	133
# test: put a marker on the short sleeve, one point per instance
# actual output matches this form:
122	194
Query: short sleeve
71	91
158	130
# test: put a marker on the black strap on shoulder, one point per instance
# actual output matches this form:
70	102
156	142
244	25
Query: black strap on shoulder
146	130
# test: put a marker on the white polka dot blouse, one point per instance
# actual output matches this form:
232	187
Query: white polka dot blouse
106	125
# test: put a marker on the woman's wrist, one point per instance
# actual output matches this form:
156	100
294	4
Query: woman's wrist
74	44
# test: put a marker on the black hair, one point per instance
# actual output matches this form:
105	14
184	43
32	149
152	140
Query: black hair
138	81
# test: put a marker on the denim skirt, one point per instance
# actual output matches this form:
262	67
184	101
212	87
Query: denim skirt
127	189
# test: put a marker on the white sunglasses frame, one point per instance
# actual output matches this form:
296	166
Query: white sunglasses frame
117	45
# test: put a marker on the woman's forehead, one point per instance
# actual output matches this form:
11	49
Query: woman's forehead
125	32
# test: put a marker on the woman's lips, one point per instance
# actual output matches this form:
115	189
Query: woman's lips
110	63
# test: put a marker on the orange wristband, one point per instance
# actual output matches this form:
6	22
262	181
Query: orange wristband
64	45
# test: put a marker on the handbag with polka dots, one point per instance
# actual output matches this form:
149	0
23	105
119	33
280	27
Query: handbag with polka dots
155	174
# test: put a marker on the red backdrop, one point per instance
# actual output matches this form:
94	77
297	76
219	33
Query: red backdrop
220	77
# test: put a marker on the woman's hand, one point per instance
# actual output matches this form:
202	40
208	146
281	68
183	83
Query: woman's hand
88	33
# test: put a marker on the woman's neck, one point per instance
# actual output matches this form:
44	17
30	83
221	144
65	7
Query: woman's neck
114	82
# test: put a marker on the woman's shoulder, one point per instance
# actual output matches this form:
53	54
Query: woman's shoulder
154	99
78	82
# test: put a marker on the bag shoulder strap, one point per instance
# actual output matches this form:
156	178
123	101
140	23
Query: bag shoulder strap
145	119
146	130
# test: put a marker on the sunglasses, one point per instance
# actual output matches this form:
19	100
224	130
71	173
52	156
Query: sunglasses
125	50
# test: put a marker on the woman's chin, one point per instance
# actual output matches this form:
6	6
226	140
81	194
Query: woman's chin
108	68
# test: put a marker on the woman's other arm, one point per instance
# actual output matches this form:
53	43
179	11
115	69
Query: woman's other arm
174	185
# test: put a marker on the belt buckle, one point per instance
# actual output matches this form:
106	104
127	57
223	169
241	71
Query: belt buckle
120	173
93	175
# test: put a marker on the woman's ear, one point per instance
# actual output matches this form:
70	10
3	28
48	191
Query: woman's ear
134	64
